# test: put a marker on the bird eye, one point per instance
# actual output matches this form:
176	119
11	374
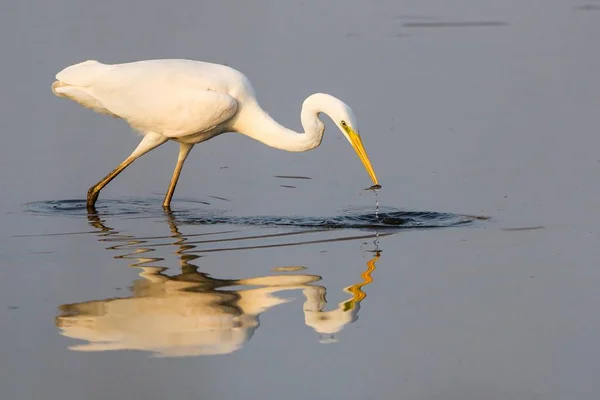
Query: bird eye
343	123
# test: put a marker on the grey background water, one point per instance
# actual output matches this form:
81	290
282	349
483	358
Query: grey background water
476	107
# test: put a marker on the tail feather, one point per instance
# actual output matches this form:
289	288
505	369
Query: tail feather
83	74
81	96
75	81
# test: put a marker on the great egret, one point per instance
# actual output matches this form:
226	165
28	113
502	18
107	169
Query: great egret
190	102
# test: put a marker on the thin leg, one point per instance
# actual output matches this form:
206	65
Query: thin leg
184	150
149	142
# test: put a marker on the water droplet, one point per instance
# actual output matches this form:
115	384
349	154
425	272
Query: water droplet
375	189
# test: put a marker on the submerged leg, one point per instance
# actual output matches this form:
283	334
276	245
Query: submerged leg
184	150
149	142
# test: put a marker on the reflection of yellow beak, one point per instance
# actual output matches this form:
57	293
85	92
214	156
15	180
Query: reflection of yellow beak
362	154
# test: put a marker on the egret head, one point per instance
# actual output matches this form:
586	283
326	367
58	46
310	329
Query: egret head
345	120
343	116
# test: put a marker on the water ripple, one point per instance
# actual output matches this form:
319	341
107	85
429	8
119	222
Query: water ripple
193	214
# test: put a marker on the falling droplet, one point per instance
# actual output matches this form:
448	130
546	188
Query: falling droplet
375	189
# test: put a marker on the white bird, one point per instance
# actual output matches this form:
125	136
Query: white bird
190	102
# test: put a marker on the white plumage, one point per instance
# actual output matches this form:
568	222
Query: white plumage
190	102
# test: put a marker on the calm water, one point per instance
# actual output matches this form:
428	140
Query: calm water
262	285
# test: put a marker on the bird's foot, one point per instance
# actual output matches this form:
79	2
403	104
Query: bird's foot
92	196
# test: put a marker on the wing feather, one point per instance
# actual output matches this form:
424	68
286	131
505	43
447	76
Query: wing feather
173	113
174	98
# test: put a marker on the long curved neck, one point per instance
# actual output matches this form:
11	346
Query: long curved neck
254	122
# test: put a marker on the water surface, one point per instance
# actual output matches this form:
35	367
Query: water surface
262	283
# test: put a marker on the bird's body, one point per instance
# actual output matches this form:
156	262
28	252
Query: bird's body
190	102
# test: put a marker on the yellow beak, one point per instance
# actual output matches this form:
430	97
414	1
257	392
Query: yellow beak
356	142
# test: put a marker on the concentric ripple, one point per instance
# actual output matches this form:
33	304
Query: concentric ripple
188	214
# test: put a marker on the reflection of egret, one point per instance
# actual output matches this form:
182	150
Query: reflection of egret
190	102
327	323
172	316
190	313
